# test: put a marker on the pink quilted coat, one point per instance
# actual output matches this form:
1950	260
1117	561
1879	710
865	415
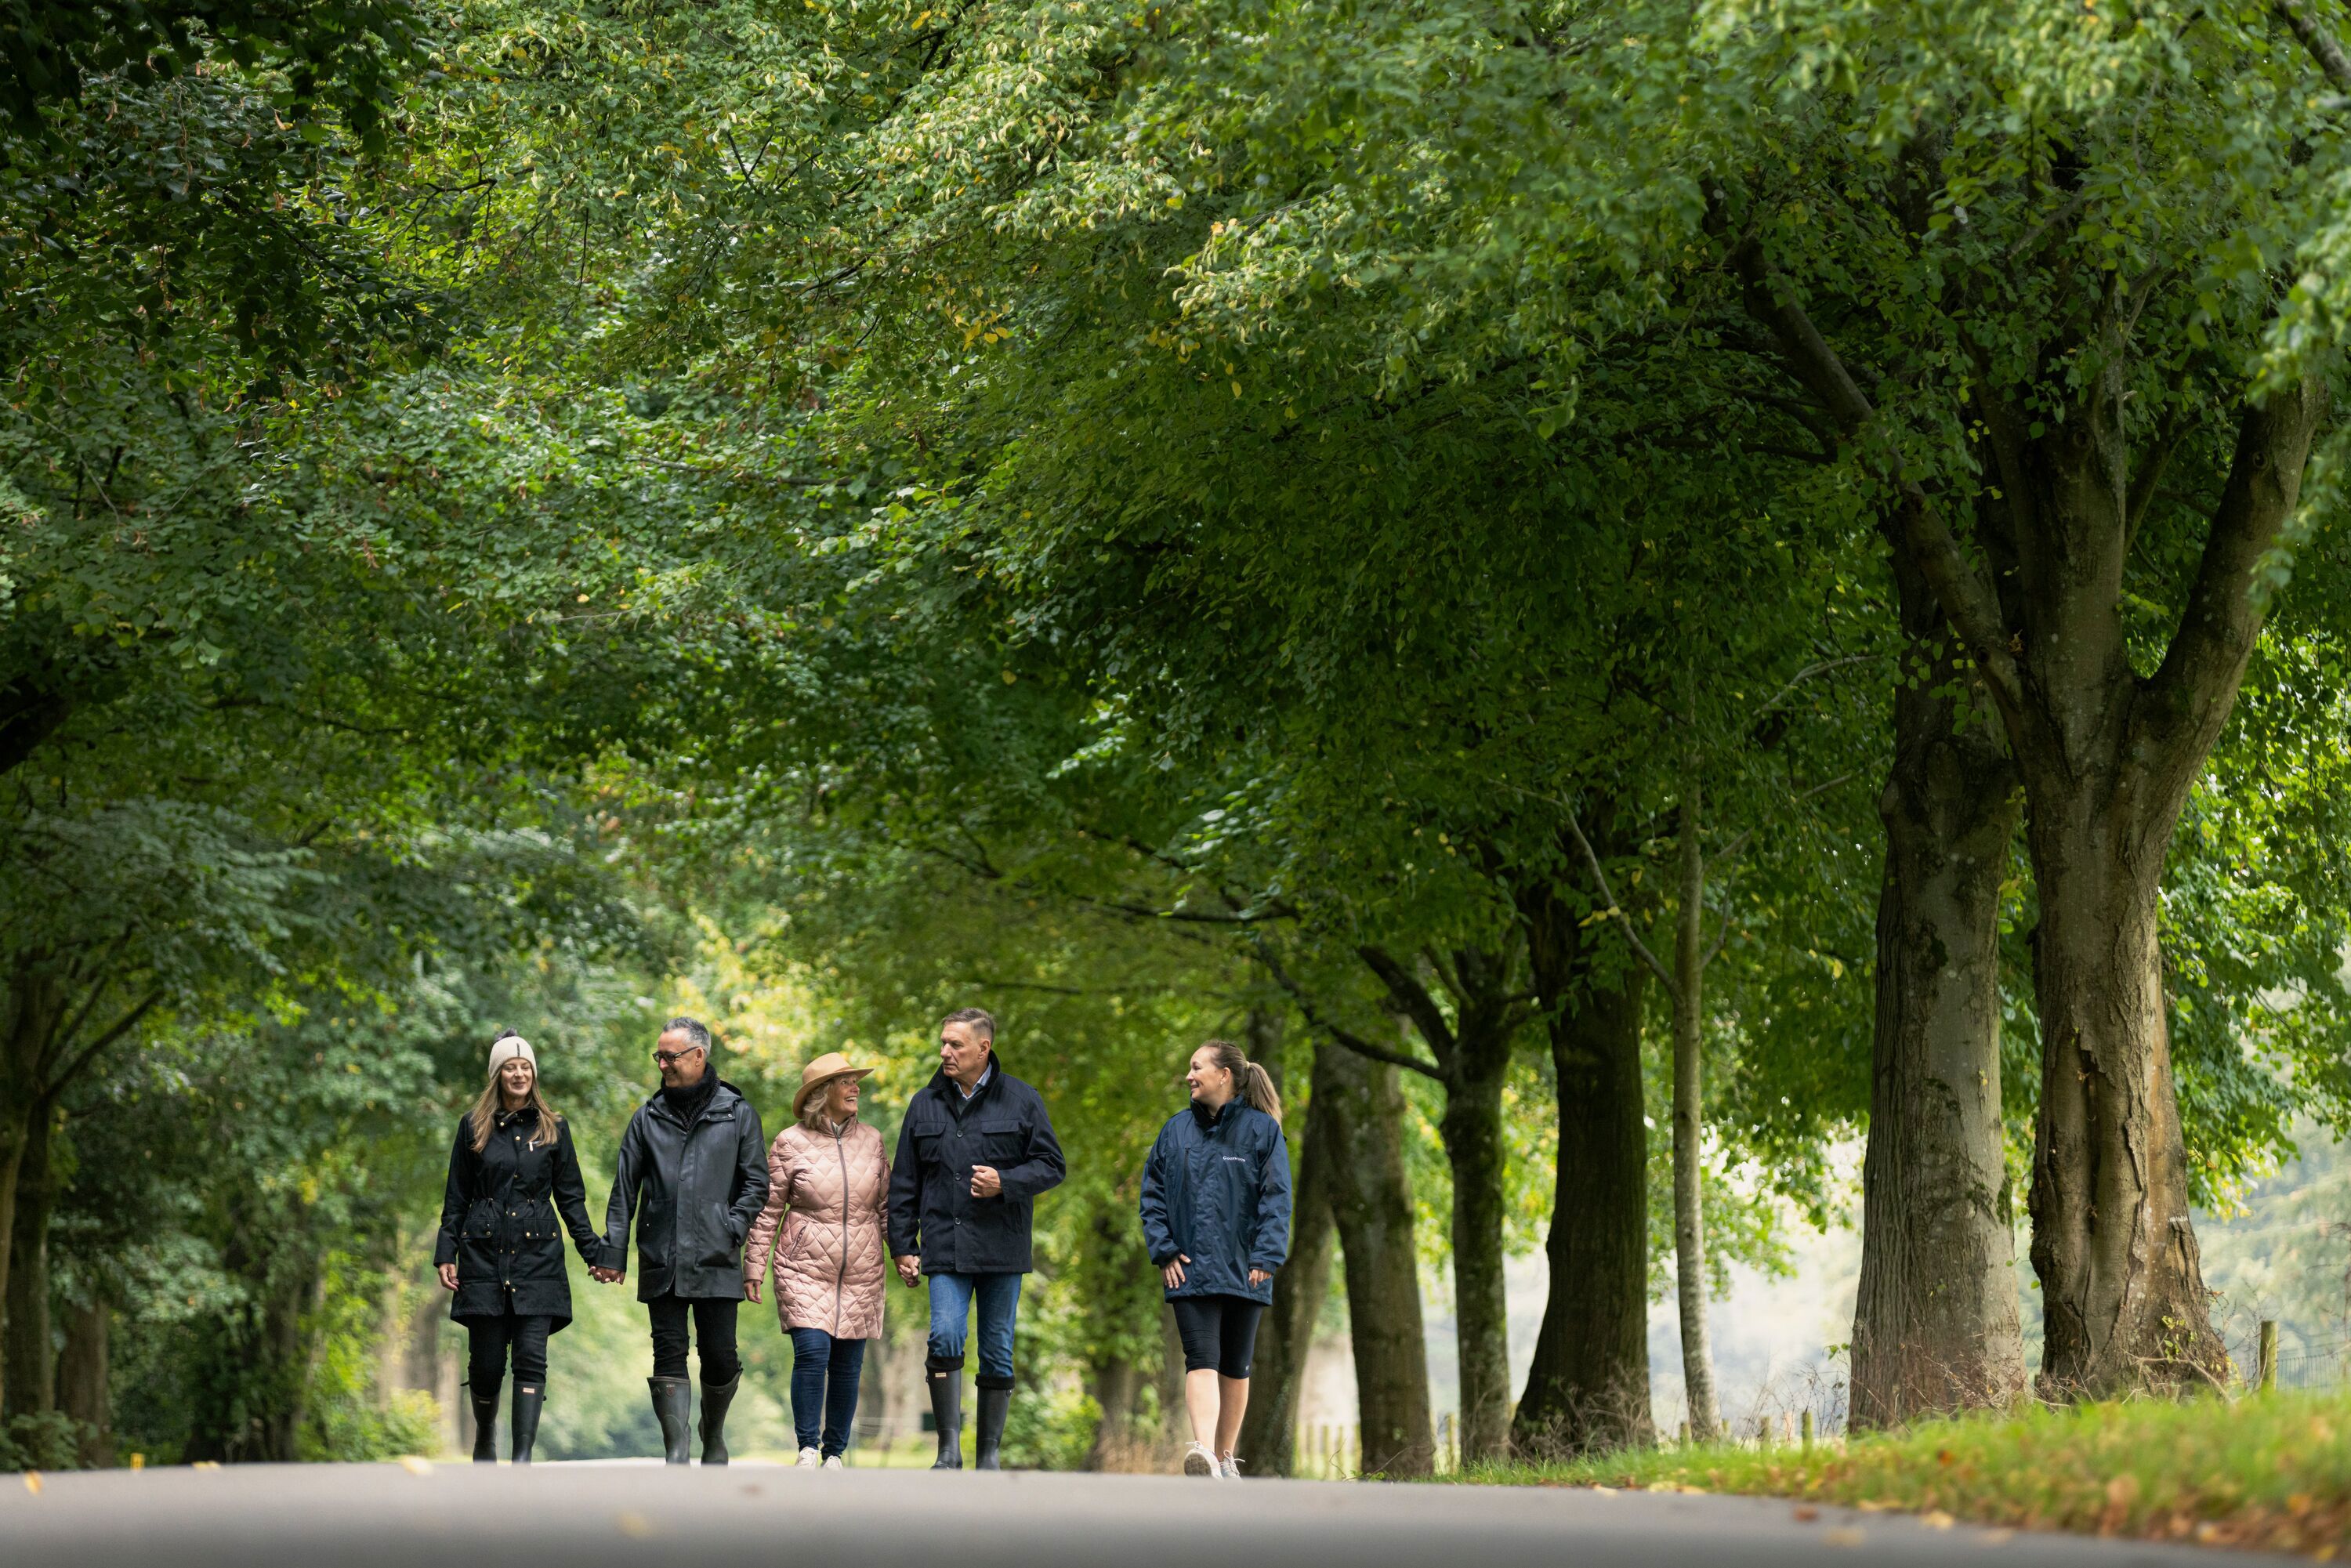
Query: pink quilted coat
828	1197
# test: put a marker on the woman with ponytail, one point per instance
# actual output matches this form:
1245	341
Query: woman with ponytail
1216	1218
511	1172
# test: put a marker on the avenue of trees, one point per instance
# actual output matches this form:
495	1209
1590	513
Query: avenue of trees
1624	593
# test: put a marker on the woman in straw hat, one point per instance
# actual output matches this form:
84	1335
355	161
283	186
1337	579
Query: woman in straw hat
511	1173
829	1190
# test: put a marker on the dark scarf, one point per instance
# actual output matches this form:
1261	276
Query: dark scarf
687	1101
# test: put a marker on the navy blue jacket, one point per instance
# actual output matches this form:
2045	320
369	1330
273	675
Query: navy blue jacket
932	1211
1218	1194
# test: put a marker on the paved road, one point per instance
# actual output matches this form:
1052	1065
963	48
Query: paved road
455	1516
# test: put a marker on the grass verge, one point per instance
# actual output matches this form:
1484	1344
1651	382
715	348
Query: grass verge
2268	1471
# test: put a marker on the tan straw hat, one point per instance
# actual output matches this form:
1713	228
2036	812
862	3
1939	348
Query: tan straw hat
818	1074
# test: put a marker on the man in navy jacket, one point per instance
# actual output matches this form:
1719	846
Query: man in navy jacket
976	1149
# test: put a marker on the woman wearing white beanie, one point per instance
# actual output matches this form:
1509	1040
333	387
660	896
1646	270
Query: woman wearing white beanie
511	1172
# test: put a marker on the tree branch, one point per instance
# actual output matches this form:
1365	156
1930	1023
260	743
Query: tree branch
1640	948
2321	47
1338	1032
1413	997
122	1026
2189	697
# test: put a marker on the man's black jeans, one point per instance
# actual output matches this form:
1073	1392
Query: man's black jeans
714	1332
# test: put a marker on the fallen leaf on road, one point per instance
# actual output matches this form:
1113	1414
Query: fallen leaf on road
205	1465
634	1524
1871	1505
1936	1519
1604	1492
414	1466
1997	1537
1807	1514
1844	1535
32	1482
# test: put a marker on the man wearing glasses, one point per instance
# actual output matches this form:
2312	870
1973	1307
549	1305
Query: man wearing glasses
695	1154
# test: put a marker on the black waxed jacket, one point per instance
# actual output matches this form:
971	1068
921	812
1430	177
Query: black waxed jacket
499	1220
702	1186
932	1211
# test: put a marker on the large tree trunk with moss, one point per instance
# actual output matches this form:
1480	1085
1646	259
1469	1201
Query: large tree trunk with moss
1370	1204
32	1009
1936	1326
1269	1439
1588	1386
26	1343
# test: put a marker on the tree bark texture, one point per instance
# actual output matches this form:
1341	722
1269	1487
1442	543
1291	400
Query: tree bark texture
253	1361
1371	1205
25	1343
32	1009
1688	1113
82	1373
1285	1336
1936	1326
1587	1388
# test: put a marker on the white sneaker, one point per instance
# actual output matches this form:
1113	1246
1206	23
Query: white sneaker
809	1459
1231	1468
1199	1461
834	1463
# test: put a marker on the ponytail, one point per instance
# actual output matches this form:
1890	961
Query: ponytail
1251	1082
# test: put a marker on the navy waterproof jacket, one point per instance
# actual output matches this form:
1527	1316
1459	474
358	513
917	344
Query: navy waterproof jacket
1217	1190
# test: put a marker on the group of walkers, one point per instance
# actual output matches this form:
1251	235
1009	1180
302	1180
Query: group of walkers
720	1213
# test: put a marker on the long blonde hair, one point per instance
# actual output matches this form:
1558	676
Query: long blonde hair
1253	1082
484	1116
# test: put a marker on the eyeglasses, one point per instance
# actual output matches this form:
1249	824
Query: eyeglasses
672	1058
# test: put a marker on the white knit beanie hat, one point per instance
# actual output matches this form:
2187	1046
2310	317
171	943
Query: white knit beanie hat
507	1049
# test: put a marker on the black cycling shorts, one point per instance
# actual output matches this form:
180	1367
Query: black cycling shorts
1218	1331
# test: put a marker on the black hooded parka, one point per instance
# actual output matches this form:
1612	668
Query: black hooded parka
499	1220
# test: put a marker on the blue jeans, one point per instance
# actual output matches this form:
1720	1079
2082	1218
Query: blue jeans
824	1383
999	1304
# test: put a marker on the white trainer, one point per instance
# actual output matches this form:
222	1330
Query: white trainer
1199	1461
1231	1468
834	1463
809	1459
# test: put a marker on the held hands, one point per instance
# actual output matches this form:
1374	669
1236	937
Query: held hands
910	1270
1174	1272
985	1182
448	1276
611	1276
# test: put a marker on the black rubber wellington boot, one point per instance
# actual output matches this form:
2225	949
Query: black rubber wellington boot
673	1408
485	1426
523	1421
995	1403
716	1398
946	1413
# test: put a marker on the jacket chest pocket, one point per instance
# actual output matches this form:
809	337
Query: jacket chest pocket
999	1142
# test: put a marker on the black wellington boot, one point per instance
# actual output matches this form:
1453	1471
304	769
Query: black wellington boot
523	1421
946	1413
485	1426
673	1408
716	1398
995	1403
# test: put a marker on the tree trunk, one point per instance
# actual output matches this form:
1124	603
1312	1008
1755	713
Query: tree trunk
1371	1203
83	1374
1472	1129
1588	1386
1936	1325
1269	1439
1689	1214
2122	1286
30	1357
1115	1387
32	1009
